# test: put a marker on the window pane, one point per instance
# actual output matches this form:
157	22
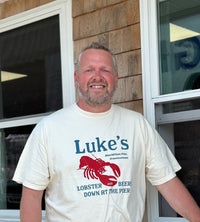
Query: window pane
187	152
184	139
179	106
179	45
30	66
12	144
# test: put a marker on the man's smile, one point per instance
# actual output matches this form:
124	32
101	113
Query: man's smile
97	86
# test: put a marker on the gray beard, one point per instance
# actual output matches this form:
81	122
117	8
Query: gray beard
95	101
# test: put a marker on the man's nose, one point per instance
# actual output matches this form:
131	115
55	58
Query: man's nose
97	74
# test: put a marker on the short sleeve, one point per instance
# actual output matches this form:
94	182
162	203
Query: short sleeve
161	165
32	169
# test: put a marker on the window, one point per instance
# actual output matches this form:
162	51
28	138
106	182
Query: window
31	69
179	125
36	65
179	45
171	88
12	143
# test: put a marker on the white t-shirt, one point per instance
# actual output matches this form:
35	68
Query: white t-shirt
93	165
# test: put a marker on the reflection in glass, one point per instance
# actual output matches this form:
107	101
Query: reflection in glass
2	171
185	139
179	45
187	152
179	106
30	69
11	146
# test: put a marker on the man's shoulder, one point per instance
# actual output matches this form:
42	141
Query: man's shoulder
127	112
59	115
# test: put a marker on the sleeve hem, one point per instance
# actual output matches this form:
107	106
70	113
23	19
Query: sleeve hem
167	178
28	184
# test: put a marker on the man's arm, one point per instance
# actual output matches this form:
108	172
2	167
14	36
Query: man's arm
30	207
180	199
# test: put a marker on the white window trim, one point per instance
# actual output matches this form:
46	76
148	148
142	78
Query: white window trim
150	75
63	8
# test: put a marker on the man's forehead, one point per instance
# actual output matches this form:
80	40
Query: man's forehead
96	51
93	54
94	57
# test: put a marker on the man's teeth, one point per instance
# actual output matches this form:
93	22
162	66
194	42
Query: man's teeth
97	87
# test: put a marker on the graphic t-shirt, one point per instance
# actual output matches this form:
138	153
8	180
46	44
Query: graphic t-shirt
93	165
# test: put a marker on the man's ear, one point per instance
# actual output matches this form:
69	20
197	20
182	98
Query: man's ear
75	79
116	80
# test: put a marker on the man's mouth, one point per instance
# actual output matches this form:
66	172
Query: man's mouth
97	86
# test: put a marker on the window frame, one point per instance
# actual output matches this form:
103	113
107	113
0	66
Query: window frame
151	91
63	8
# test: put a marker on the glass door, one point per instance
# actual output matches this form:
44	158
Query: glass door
178	121
170	33
30	84
179	125
12	143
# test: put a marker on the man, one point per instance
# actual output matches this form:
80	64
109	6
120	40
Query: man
93	157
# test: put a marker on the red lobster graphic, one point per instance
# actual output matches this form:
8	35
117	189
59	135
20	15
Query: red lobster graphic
95	168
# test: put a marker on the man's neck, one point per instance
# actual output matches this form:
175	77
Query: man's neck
93	109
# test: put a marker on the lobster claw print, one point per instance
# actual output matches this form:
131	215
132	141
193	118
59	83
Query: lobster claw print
98	169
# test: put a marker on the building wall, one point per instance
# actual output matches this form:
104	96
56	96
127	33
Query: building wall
12	7
114	23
